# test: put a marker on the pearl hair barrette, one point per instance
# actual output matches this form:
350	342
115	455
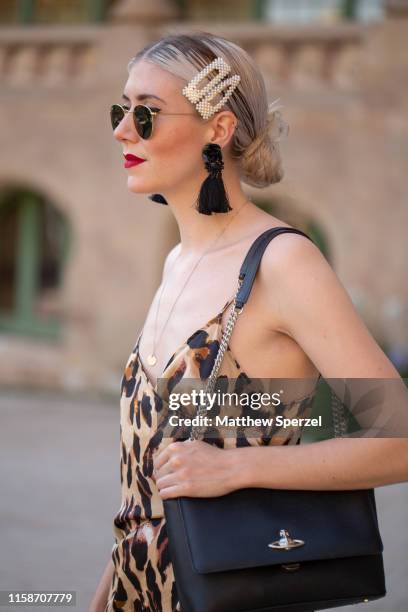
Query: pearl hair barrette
201	98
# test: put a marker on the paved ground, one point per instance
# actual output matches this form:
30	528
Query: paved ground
60	489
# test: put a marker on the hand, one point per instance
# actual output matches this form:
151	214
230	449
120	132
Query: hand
195	469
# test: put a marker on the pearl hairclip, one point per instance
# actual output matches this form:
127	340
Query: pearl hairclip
201	98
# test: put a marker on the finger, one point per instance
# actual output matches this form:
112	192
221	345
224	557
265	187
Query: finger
166	468
173	491
167	480
164	454
161	458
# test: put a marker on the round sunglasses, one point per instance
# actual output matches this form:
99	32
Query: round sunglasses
143	117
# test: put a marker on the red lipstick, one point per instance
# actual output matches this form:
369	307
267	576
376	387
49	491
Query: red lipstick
132	160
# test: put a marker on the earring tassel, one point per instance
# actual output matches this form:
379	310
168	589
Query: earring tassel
156	197
213	197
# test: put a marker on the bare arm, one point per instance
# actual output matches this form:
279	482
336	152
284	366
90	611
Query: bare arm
327	465
100	598
316	311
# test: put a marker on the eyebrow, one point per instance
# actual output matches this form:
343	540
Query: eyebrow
142	97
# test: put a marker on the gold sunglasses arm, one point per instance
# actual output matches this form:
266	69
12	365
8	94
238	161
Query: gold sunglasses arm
162	113
153	112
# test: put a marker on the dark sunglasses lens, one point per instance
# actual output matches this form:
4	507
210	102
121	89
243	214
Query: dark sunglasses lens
143	121
116	115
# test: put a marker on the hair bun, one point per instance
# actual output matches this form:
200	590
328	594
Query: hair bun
277	128
261	160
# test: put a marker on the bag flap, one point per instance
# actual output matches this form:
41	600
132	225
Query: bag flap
233	531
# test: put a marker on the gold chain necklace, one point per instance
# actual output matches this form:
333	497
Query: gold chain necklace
152	359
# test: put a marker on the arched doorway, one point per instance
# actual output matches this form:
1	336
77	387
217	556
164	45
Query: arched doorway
34	245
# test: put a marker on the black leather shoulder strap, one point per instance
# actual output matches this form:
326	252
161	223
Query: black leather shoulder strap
253	258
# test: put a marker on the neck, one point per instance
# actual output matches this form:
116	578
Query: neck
198	231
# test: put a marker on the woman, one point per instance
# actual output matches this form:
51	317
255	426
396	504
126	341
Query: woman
299	321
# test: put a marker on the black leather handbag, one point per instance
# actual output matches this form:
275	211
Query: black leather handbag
264	550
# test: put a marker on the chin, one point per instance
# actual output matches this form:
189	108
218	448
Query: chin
137	186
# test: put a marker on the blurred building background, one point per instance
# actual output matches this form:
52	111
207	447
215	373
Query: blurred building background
77	267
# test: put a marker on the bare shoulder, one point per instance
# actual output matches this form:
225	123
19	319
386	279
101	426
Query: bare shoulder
303	294
287	251
291	267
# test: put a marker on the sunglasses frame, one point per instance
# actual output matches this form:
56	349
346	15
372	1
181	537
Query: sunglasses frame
152	111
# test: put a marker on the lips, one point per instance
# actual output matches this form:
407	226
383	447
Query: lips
132	160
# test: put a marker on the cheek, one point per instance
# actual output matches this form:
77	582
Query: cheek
176	147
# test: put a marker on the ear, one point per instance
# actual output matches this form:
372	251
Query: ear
222	128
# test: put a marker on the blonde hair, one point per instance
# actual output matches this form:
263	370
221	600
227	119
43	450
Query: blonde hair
260	125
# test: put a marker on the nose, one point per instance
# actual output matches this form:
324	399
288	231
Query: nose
126	129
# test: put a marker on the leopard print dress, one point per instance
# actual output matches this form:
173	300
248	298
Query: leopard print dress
143	579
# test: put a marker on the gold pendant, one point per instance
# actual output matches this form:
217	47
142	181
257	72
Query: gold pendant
151	360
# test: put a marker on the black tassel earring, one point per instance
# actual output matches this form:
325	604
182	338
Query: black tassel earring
156	197
213	197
